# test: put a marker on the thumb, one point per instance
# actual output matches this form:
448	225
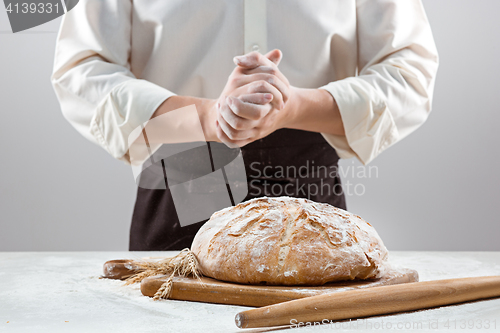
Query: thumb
275	56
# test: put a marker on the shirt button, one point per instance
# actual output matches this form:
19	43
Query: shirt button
255	47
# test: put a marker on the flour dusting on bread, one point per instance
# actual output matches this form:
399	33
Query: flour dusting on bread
288	241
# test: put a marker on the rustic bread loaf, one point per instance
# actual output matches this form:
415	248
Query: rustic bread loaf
288	241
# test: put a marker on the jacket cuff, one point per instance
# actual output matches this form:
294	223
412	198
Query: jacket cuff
127	106
368	123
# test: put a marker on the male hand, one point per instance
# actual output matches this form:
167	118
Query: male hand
248	108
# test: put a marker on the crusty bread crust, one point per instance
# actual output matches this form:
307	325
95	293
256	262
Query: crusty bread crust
288	241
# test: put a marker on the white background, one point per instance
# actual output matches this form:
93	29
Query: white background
438	189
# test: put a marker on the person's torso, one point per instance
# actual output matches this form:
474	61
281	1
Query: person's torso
186	46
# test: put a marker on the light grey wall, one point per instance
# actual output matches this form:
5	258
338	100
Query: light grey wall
436	190
439	189
58	191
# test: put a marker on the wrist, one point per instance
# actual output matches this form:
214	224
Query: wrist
206	109
290	115
313	110
207	112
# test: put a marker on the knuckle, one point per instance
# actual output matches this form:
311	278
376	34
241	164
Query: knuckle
270	79
237	124
285	95
262	84
232	134
257	85
236	111
272	71
253	55
234	80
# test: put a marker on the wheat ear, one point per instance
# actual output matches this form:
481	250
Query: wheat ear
183	264
165	289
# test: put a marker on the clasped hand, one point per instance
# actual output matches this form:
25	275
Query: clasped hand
251	104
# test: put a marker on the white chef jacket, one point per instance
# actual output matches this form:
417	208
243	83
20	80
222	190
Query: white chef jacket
116	61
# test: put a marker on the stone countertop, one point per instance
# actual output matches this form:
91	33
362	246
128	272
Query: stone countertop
62	292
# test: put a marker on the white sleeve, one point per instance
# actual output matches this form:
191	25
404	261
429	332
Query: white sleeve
392	94
98	93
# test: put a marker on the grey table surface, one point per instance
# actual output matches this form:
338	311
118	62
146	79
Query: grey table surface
62	292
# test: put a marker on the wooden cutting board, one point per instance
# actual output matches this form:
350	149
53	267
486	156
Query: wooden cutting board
213	291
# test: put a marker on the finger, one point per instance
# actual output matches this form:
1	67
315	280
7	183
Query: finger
257	98
272	70
244	107
264	87
231	133
223	137
252	60
271	79
230	113
226	140
275	56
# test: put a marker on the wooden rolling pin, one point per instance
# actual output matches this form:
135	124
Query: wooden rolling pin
371	301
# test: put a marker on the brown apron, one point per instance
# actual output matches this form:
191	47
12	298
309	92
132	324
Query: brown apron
286	163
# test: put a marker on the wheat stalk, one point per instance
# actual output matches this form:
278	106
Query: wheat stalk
138	277
165	289
183	264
